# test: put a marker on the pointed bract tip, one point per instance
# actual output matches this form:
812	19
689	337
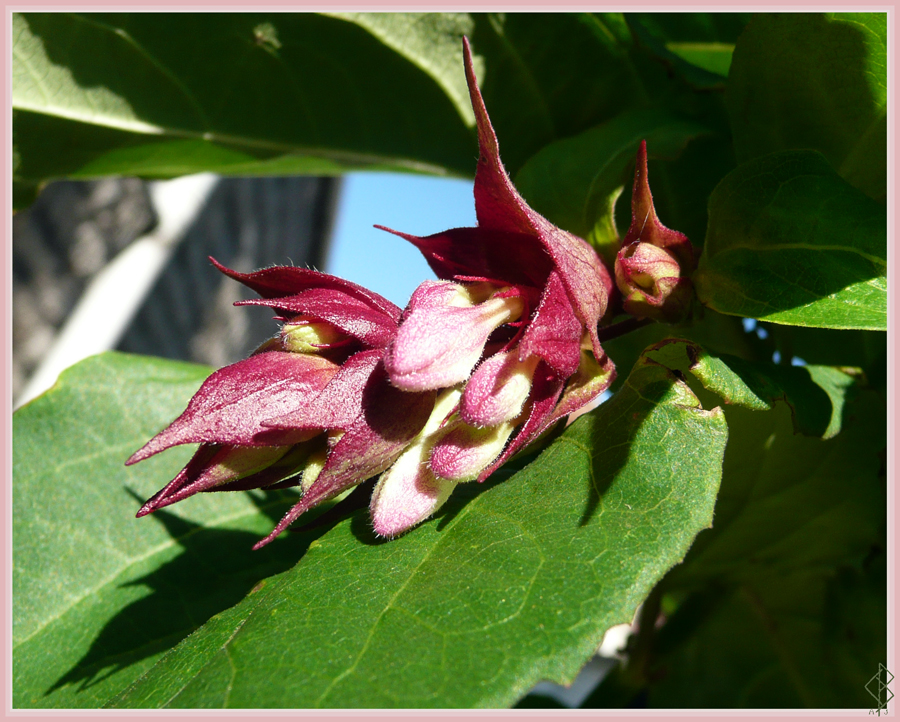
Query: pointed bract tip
641	182
467	54
145	452
262	542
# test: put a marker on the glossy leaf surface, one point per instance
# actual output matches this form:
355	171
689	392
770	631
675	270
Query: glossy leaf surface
100	594
791	242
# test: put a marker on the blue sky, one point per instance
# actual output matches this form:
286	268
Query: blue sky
415	204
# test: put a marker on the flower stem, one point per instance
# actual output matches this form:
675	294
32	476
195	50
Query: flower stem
623	327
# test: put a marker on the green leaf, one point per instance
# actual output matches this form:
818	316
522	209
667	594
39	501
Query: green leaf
164	93
697	74
819	81
572	181
99	595
431	41
863	349
787	603
553	75
714	58
792	501
790	242
510	584
808	640
816	394
782	603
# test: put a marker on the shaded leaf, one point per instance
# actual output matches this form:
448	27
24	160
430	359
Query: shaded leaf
573	182
714	58
99	594
806	640
552	75
705	74
163	94
813	80
791	502
816	394
864	349
790	601
431	41
790	242
782	603
529	572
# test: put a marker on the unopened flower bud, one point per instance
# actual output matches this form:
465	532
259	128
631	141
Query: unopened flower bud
444	331
214	466
304	335
464	451
312	468
651	283
654	265
498	389
409	492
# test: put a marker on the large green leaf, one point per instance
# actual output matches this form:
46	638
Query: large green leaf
553	75
793	501
815	394
162	94
98	594
509	585
698	46
790	242
782	602
809	639
790	601
817	81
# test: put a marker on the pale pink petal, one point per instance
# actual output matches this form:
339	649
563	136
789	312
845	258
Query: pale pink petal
464	451
498	389
406	494
439	341
546	390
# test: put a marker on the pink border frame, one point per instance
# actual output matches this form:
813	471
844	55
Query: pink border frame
432	5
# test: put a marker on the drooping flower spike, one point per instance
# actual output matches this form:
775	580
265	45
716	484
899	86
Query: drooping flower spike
512	319
478	366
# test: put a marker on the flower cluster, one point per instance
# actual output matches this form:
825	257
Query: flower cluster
479	365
